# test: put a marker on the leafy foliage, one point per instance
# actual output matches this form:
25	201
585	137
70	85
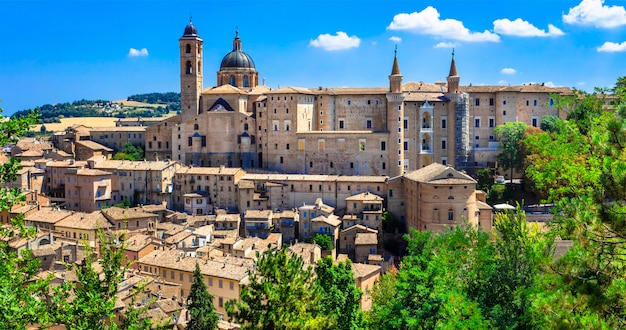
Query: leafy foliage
281	295
200	305
130	152
340	298
21	292
510	136
582	168
324	241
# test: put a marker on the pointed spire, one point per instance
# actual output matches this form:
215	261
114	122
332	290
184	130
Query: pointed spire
453	72
237	41
395	70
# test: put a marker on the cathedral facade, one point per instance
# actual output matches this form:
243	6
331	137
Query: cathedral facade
339	131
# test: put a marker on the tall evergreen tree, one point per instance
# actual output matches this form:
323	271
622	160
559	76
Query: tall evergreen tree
200	305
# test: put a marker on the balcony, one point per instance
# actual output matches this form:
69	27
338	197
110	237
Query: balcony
426	148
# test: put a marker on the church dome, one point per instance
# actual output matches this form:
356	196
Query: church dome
237	59
190	30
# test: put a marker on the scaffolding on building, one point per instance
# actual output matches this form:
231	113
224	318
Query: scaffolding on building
463	148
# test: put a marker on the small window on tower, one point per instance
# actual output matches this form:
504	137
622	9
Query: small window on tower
188	49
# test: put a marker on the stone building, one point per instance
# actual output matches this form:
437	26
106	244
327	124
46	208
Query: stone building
342	131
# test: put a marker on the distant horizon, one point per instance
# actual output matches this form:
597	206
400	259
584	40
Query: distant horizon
64	51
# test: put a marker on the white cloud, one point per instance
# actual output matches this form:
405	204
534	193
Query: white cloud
446	45
508	71
550	84
340	41
612	47
521	28
138	52
502	82
581	83
427	22
594	13
396	39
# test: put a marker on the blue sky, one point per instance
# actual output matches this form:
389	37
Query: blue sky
61	51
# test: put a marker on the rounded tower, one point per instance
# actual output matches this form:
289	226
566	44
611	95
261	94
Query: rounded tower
237	68
190	71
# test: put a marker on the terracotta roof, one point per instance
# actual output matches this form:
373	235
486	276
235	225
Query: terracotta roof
257	214
92	172
128	165
363	270
366	239
332	220
47	215
208	170
526	88
31	153
138	241
233	270
137	129
438	173
360	229
312	177
93	145
87	221
366	196
178	237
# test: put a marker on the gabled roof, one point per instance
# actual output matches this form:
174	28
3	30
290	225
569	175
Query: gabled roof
366	196
360	229
224	89
332	220
436	173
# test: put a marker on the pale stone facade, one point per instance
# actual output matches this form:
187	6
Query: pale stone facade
343	131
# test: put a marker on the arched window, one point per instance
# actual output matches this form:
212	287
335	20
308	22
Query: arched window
245	127
188	49
245	81
188	69
195	127
232	80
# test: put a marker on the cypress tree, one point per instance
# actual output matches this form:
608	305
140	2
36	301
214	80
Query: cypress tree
200	305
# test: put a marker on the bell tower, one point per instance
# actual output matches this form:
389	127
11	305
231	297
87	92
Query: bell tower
190	71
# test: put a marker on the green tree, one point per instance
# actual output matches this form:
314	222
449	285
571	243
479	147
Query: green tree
582	168
200	305
89	302
485	179
385	289
340	298
281	295
324	241
22	294
510	136
550	124
130	152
